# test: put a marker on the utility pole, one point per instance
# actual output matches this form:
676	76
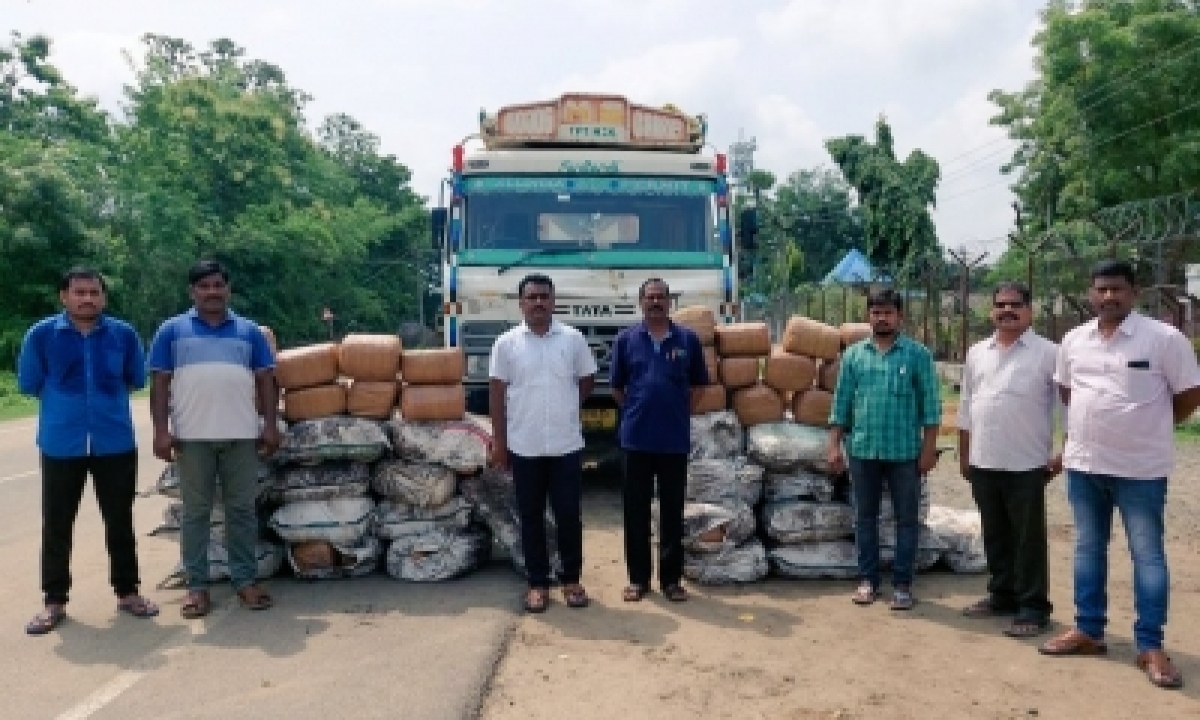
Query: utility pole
967	264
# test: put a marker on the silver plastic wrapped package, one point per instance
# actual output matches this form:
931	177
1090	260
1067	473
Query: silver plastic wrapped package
461	445
438	555
334	561
711	528
800	521
491	496
394	519
799	484
326	481
825	559
309	442
340	521
962	532
745	563
930	547
716	436
415	483
723	481
784	446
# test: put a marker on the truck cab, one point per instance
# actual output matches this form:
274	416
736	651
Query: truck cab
597	193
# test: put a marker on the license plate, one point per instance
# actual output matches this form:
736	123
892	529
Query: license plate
602	419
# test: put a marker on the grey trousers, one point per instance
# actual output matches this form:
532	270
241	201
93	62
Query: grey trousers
202	464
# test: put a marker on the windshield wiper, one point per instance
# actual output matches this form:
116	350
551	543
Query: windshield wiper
543	251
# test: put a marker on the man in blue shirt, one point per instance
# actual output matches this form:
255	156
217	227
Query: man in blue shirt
656	368
209	364
81	365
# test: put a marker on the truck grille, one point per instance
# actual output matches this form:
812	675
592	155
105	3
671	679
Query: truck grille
477	338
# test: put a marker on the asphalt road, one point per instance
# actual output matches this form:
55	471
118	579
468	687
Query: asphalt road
362	648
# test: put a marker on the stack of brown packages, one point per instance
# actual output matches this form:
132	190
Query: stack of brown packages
807	364
433	385
371	363
742	348
703	322
309	379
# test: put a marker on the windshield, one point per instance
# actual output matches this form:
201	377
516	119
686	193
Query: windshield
596	213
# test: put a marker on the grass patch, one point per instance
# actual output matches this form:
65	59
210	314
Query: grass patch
12	403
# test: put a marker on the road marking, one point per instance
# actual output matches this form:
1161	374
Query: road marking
156	658
6	429
27	473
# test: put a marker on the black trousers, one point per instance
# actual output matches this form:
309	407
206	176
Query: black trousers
1012	506
558	478
114	480
642	469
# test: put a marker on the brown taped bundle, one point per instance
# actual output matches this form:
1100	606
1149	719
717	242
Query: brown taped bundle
314	402
440	366
713	364
269	334
699	320
711	399
812	407
786	371
827	374
739	372
743	340
433	402
371	399
307	366
374	358
757	404
805	336
853	332
315	555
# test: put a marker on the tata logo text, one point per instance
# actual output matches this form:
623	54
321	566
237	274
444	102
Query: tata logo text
592	310
587	167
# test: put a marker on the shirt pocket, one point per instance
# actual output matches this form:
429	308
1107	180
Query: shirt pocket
1139	385
900	381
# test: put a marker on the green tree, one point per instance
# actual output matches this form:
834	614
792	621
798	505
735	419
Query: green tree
895	196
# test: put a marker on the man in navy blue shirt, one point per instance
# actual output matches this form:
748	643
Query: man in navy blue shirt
81	365
656	368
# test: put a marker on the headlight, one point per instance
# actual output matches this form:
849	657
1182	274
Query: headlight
477	366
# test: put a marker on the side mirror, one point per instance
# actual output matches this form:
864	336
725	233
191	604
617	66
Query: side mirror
748	228
438	218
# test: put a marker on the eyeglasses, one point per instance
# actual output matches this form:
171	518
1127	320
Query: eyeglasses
1013	305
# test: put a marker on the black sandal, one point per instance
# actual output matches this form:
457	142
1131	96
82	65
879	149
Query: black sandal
575	596
675	593
45	621
634	592
537	600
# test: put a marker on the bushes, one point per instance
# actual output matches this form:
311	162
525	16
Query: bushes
13	403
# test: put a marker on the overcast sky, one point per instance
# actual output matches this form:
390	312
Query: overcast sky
788	73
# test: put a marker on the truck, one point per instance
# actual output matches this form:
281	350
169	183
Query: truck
599	194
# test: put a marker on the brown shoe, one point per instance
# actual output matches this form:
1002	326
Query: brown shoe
1073	642
1159	670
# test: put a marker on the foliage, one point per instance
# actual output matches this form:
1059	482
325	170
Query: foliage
1112	113
12	403
895	197
212	159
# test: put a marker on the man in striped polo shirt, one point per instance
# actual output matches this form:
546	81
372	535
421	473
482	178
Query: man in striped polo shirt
209	364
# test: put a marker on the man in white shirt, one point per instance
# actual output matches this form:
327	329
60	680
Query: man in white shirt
1124	378
541	371
1005	450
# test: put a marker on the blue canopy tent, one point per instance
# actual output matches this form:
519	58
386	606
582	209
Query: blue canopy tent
854	268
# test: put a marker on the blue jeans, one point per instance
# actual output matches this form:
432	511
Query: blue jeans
201	464
904	481
1141	503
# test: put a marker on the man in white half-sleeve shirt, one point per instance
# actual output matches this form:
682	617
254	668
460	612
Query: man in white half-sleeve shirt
1005	450
541	371
1122	376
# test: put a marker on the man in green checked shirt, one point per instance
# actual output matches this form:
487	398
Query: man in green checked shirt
886	410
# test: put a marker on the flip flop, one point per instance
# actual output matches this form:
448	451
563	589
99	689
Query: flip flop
197	605
634	592
675	593
254	597
575	596
537	600
45	621
866	594
137	606
903	600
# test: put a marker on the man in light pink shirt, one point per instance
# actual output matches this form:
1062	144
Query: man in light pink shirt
1122	376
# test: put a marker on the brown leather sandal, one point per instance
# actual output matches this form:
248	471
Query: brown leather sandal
1073	642
575	596
634	592
1159	669
537	600
255	597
